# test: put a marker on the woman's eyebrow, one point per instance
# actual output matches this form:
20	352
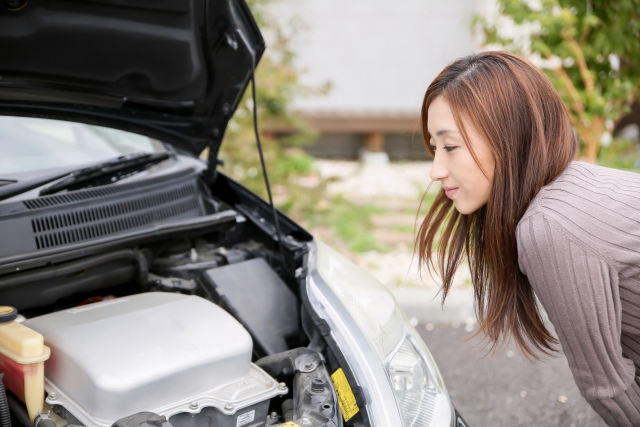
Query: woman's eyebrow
443	131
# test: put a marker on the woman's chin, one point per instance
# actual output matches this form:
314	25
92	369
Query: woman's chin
465	208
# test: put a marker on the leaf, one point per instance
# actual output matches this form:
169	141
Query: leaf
583	36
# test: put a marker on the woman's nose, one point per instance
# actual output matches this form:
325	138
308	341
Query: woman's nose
438	169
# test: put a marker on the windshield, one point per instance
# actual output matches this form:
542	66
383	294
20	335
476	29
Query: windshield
28	144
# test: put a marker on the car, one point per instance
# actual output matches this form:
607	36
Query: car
139	285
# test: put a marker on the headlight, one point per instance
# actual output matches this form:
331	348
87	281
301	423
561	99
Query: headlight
400	380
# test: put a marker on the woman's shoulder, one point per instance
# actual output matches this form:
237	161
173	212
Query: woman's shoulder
582	179
595	206
595	174
586	190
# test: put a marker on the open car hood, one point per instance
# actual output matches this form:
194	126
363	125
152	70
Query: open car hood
173	70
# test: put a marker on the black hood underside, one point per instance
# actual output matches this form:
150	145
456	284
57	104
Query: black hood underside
173	70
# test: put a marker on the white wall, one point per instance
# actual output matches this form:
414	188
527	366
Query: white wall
380	55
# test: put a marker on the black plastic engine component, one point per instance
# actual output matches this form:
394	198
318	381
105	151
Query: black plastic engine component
187	259
142	419
314	396
255	295
39	287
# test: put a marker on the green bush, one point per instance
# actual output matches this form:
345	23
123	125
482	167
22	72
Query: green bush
620	154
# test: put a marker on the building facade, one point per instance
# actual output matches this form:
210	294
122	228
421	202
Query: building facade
379	57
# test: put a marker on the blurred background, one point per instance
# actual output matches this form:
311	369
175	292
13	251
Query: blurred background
339	91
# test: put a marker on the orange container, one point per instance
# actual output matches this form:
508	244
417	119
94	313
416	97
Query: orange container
22	356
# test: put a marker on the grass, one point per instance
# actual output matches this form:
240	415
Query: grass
403	228
350	221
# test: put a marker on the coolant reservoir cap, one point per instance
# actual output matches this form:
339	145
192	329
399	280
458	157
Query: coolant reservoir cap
7	314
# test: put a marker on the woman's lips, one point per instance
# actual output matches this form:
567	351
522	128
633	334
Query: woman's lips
450	191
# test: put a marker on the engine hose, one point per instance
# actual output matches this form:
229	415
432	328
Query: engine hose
78	265
5	415
287	410
143	267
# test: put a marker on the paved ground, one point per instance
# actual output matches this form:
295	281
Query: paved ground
506	390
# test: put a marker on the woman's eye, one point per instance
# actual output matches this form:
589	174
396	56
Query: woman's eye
432	147
450	148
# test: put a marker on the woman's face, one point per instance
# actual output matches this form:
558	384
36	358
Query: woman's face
462	179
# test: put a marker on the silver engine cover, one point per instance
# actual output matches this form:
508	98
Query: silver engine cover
160	352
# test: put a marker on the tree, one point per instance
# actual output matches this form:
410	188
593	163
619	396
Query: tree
590	50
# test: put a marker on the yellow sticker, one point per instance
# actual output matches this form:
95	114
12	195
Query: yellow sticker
346	399
289	424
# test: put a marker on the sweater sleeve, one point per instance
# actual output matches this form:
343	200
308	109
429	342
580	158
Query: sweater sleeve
578	288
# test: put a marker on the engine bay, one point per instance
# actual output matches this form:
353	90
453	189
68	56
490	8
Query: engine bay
202	328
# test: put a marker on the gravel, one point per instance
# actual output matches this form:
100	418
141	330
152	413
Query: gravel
406	180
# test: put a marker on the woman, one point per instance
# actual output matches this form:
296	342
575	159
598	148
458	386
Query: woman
532	222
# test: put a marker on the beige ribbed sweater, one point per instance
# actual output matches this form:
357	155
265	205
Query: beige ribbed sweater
579	245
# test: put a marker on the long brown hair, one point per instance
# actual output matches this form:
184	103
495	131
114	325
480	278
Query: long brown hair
515	108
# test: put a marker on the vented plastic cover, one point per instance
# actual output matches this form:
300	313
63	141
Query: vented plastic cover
61	221
89	223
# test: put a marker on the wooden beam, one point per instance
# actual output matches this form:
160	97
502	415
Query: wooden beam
374	141
356	123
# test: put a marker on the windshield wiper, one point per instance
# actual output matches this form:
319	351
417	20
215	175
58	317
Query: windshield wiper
107	172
